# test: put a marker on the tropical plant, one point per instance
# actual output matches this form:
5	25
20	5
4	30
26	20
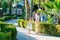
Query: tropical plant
54	5
4	6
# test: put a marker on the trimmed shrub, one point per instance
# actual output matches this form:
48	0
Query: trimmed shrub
5	36
22	23
48	28
14	16
12	29
33	26
58	30
1	19
25	23
5	18
9	28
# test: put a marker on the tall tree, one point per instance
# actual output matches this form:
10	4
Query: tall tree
17	1
39	3
4	6
31	8
27	8
10	6
11	3
0	9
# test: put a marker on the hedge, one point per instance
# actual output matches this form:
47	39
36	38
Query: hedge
22	23
1	19
58	30
33	26
5	18
8	28
48	28
5	36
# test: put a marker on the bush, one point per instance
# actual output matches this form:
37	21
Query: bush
5	36
25	23
48	28
22	23
58	30
5	18
12	29
1	19
14	16
9	28
21	17
33	26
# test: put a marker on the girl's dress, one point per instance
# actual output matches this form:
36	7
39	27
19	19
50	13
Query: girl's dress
29	26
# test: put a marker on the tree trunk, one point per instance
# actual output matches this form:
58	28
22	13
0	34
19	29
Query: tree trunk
10	5
58	21
27	8
0	9
39	2
31	9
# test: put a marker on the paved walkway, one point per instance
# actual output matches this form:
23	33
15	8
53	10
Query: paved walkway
22	34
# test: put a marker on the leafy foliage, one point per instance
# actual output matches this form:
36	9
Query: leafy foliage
22	23
4	6
7	32
48	5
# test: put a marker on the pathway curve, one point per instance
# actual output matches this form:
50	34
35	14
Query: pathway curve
22	34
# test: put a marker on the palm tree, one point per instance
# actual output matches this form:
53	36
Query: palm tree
31	8
27	8
56	6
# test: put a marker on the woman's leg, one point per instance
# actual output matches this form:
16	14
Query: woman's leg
37	27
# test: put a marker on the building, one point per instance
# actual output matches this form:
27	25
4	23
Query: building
16	10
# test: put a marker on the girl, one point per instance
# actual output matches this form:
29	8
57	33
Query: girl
29	25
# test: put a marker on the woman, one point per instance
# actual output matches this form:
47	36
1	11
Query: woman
37	23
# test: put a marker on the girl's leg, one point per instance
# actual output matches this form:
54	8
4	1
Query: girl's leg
29	31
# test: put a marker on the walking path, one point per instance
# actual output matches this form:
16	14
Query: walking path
22	34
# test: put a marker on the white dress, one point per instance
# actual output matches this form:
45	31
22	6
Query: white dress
29	26
36	17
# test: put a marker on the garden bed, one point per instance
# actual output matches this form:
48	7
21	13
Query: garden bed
7	31
5	18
